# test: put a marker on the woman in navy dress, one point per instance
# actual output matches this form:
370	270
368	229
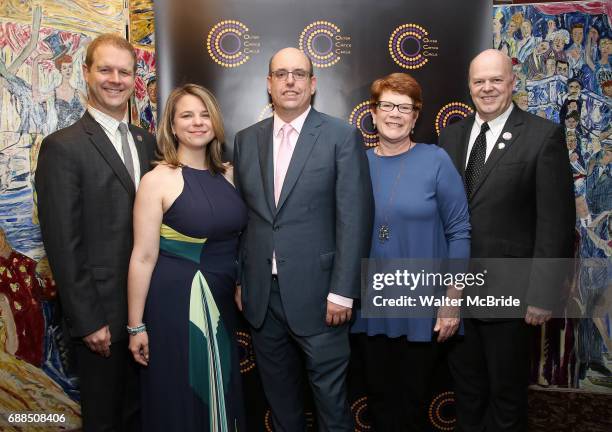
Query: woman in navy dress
182	315
421	213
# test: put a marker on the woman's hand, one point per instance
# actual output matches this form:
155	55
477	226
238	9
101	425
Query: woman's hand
447	322
139	346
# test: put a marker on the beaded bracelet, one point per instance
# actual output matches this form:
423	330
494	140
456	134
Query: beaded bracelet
135	330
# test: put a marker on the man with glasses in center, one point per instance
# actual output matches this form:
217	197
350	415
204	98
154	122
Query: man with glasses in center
305	179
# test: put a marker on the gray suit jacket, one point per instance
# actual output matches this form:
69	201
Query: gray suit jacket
321	228
85	199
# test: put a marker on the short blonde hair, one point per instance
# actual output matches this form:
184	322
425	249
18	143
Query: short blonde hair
109	39
167	144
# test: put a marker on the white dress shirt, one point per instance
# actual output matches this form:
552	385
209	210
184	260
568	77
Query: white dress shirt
110	126
297	125
492	135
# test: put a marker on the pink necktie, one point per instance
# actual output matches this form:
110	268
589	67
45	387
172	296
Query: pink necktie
282	160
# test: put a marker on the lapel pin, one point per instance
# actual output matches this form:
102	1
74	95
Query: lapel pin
507	136
139	137
501	145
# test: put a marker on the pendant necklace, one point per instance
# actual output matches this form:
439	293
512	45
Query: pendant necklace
384	230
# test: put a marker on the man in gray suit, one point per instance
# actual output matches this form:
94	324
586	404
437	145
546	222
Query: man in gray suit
305	179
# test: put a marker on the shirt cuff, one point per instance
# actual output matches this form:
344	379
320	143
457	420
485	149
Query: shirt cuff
340	300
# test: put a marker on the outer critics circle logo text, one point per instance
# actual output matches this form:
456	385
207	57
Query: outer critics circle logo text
410	47
230	45
323	43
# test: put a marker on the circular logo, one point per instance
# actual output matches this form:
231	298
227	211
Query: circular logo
438	411
318	41
359	408
225	43
361	118
406	46
450	113
245	348
266	112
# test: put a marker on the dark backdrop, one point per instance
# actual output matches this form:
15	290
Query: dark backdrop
225	45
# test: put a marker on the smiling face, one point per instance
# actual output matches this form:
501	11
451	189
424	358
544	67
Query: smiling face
191	122
290	97
526	29
110	80
393	126
491	81
558	43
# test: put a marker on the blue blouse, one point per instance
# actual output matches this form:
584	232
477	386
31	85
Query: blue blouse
427	216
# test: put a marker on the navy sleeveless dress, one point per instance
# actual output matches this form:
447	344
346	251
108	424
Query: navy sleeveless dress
192	382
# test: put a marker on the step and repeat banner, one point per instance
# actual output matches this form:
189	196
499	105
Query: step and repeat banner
226	46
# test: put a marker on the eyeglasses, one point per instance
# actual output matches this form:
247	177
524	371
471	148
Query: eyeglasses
298	74
403	108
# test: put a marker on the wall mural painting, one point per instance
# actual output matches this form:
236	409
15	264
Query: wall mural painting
42	48
142	23
144	101
561	56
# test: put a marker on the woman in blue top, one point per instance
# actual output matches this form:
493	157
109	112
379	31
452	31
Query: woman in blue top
421	212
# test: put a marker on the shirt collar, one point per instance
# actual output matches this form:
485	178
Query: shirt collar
107	122
498	122
297	123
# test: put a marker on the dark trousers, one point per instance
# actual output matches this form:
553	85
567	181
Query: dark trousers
398	377
490	367
110	396
281	356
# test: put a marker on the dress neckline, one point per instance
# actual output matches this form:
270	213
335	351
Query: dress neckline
397	156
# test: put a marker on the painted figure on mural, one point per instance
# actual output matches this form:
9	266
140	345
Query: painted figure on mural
575	52
499	41
21	286
31	116
527	42
600	68
148	114
67	101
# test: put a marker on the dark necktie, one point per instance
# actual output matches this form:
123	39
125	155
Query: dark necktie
125	149
477	160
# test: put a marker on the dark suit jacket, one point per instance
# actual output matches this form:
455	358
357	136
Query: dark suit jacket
85	199
523	204
321	228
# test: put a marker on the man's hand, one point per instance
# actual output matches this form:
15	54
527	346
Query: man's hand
537	316
447	322
238	297
99	341
336	314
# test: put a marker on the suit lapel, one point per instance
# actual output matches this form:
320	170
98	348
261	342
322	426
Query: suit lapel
108	152
512	130
266	161
466	128
303	148
143	157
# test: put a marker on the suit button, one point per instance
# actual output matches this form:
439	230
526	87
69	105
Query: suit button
276	228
